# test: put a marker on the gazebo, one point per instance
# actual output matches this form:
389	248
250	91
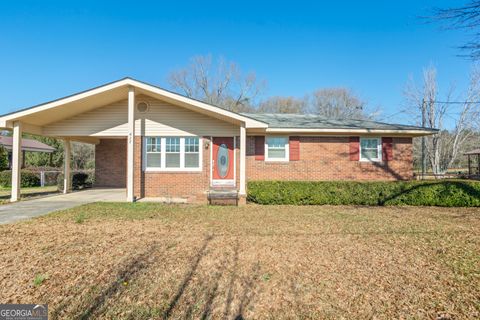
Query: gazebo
471	170
27	145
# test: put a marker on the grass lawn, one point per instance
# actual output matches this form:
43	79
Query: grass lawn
144	260
32	192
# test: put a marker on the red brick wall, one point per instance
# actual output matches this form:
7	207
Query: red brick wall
321	158
192	186
111	163
327	158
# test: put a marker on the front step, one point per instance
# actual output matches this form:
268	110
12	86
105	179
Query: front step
223	197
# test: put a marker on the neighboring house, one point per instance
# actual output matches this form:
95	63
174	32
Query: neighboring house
29	145
156	143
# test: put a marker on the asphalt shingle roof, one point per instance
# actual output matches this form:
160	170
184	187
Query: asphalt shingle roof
473	152
27	145
311	121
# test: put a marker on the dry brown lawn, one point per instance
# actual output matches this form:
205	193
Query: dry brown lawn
144	261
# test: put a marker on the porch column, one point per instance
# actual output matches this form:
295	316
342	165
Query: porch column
67	183
16	160
243	153
131	144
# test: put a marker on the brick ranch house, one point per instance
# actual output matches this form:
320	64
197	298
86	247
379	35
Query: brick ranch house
159	144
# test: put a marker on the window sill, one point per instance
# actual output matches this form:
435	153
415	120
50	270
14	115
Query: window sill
277	160
172	170
370	160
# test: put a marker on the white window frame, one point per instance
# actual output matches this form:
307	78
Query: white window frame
189	152
287	150
146	152
379	149
163	153
181	147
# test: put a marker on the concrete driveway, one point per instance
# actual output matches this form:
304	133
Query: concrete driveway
36	207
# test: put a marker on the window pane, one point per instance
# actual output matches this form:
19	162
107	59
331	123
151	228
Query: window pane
172	144
153	144
369	148
369	154
153	160
276	153
277	147
276	142
191	144
191	160
172	160
369	143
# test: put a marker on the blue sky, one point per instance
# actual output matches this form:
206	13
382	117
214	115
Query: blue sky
49	49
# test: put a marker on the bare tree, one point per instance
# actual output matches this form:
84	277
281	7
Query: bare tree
220	83
466	17
283	105
456	120
338	103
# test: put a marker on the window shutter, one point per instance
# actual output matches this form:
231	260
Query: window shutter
354	148
387	149
294	146
259	148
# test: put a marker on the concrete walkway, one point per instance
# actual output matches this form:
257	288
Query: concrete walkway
36	207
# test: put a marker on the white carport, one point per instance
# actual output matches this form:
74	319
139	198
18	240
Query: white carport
36	119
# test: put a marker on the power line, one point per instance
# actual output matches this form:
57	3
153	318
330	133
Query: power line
453	102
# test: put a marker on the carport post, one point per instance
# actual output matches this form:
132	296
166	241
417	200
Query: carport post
16	160
67	183
131	144
243	147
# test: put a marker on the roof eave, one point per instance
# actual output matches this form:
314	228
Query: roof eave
7	119
410	132
249	122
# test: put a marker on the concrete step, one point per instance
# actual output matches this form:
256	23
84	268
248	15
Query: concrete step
223	197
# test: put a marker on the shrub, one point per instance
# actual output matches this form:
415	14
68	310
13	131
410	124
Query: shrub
445	193
80	180
5	178
3	158
27	179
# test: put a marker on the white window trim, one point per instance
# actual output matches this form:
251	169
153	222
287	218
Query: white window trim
287	150
145	152
163	148
379	150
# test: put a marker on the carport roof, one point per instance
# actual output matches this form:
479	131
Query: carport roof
87	100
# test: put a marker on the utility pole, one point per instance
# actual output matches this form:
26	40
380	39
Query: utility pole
424	159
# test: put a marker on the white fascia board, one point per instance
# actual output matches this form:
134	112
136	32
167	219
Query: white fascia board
5	121
349	131
249	122
49	105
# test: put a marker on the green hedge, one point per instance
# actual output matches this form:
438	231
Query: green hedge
28	179
445	193
80	180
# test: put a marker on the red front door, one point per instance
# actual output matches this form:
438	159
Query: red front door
222	161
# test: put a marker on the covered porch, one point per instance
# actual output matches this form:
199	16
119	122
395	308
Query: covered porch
112	112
